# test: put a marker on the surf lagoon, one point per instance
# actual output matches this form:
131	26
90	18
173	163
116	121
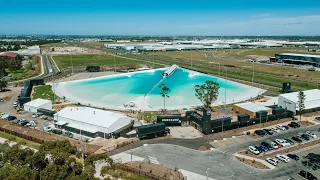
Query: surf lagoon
140	90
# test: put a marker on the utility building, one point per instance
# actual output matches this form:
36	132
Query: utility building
290	101
34	105
93	122
250	108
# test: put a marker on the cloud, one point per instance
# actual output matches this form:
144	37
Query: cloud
263	15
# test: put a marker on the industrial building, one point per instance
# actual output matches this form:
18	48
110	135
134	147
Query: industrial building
250	108
289	101
303	59
34	105
93	122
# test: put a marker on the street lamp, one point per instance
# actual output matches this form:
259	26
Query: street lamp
207	172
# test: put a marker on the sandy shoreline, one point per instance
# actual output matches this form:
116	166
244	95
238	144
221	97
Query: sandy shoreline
141	102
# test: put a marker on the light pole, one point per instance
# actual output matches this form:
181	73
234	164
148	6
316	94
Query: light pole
115	65
253	73
260	116
207	172
225	91
191	58
71	64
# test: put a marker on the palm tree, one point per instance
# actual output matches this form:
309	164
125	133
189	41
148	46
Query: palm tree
164	94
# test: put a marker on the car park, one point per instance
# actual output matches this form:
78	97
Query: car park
283	158
56	131
307	175
23	122
318	118
35	115
311	134
275	130
254	150
268	131
296	139
260	133
47	128
293	156
272	161
274	145
280	127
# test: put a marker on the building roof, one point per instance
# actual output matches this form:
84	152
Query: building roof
91	116
302	55
37	103
8	54
312	99
253	107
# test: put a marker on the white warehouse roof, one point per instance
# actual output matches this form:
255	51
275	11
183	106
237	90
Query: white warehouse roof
92	116
312	99
37	102
253	107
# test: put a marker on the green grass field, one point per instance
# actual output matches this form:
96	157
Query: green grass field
103	60
43	92
19	140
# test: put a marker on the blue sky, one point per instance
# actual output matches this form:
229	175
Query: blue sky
165	17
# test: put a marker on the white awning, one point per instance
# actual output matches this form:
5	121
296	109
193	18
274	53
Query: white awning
60	123
83	128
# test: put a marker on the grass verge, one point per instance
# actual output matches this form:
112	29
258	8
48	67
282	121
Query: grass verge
19	140
43	92
147	116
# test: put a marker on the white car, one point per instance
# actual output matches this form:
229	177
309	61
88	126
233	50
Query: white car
311	134
272	161
274	145
282	142
254	150
283	158
280	127
47	128
275	130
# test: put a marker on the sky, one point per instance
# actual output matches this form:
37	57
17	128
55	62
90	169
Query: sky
165	17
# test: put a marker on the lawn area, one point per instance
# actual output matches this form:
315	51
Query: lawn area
147	116
103	60
19	140
43	92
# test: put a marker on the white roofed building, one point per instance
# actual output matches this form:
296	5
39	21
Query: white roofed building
34	105
289	101
92	122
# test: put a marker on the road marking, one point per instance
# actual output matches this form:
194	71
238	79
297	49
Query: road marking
153	160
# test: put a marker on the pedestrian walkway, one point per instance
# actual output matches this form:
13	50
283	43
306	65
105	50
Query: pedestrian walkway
256	159
153	160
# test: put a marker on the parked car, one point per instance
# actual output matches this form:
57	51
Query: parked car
68	134
294	118
280	127
289	141
32	124
274	145
293	156
283	158
311	134
260	133
267	145
275	130
306	137
296	139
23	122
307	175
56	131
254	150
11	118
268	131
1	100
15	104
35	115
47	128
265	149
272	161
296	124
282	142
318	118
285	126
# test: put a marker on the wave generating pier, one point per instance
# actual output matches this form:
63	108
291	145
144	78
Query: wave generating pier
167	73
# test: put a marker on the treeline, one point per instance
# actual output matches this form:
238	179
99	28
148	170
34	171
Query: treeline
54	160
15	45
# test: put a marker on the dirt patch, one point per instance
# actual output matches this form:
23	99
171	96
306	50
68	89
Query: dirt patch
108	145
151	171
203	148
253	163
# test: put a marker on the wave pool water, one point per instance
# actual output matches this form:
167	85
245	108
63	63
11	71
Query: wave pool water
116	90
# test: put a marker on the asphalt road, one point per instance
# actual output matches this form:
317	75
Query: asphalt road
222	164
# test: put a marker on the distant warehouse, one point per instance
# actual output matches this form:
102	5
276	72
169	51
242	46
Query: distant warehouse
304	59
93	122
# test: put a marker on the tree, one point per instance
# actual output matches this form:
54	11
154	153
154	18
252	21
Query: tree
14	65
164	94
3	84
302	98
207	93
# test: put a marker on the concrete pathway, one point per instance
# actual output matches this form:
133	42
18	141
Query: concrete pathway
256	159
